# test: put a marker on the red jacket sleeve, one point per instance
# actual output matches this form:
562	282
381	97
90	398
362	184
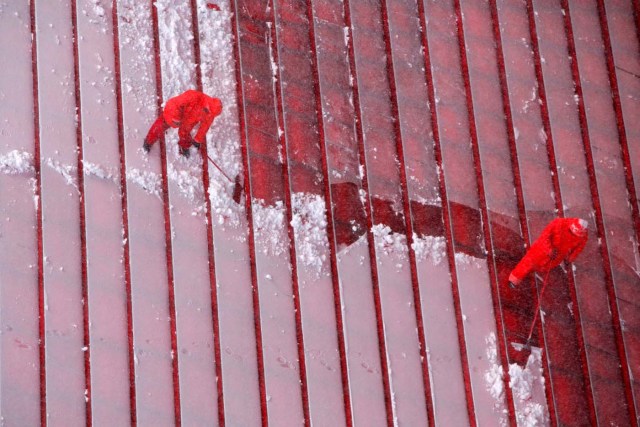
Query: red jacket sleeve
185	129
205	124
576	251
549	236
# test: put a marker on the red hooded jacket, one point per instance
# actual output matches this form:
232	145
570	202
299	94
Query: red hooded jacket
189	109
563	238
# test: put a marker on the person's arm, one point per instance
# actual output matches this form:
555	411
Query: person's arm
212	111
204	127
184	132
548	239
576	251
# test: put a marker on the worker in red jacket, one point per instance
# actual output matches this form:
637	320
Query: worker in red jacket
562	238
185	111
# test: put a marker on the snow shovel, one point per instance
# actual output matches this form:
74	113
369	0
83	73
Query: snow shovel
527	345
237	189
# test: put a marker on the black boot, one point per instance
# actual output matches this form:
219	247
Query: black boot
185	152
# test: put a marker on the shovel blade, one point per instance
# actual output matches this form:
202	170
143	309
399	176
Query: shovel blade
237	190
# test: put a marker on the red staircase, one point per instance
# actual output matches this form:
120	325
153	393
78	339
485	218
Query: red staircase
397	159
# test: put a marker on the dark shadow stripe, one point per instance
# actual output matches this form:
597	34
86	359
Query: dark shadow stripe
386	374
446	215
484	215
212	266
546	122
304	388
125	215
408	214
235	26
167	223
595	196
522	214
37	163
83	224
329	200
617	107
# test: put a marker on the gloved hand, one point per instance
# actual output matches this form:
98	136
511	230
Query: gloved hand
184	151
146	147
186	142
195	144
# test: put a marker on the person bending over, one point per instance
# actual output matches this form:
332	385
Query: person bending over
185	112
562	238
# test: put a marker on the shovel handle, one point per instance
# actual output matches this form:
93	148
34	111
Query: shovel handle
221	171
535	315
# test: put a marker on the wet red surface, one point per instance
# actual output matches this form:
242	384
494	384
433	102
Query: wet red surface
475	122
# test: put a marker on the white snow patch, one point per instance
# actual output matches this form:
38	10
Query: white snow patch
269	228
92	169
135	34
176	47
465	260
224	210
528	412
433	247
223	139
532	99
33	184
309	224
387	241
148	181
495	375
68	172
434	200
16	162
189	182
274	66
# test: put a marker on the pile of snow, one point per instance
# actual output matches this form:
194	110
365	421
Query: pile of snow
494	377
188	181
429	247
176	47
528	412
224	210
309	224
387	241
16	162
134	25
219	80
269	228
